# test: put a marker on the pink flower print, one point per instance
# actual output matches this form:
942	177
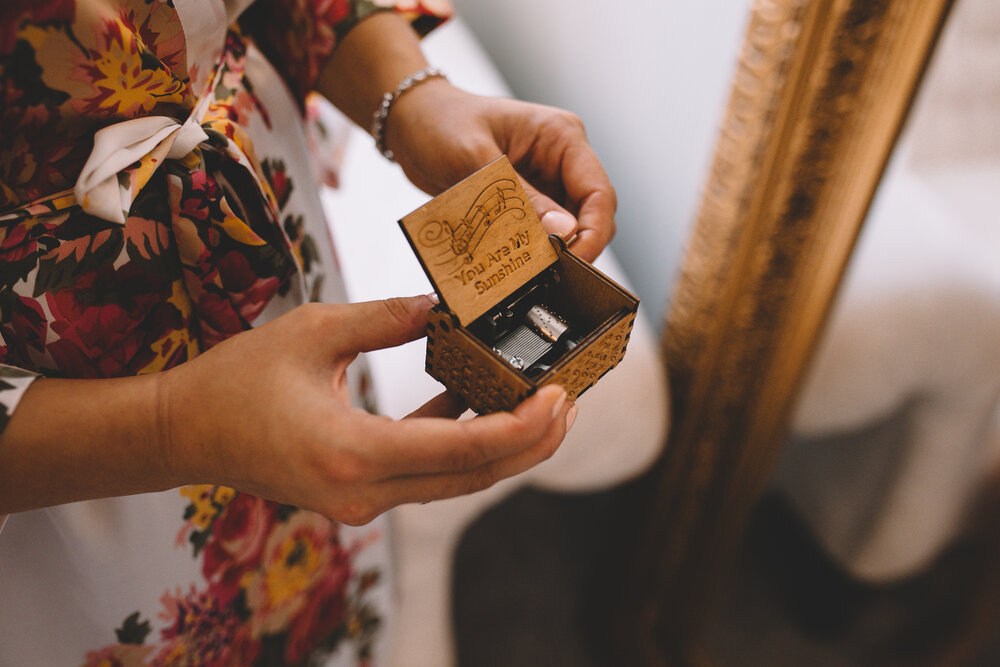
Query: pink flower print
297	559
238	538
202	631
119	655
324	611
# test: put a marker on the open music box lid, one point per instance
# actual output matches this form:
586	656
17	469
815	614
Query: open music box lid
479	241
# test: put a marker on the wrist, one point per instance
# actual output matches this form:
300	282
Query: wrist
391	98
439	134
166	427
188	412
74	440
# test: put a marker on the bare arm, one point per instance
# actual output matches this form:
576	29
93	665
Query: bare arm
267	412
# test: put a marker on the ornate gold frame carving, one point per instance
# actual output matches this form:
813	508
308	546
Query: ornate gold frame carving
819	97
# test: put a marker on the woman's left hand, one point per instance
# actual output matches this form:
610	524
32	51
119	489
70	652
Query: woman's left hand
441	134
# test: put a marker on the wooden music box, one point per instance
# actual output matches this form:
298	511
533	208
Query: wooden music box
518	310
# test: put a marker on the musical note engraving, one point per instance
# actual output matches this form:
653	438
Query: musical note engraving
456	242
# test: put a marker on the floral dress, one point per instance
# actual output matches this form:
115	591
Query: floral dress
154	200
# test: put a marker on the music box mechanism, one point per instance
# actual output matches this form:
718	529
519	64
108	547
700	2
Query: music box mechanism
518	310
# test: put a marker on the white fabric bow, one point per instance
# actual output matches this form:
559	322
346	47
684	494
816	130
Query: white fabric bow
117	146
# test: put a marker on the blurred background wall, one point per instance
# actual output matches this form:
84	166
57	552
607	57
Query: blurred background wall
650	79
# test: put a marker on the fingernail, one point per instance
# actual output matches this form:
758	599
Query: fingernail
434	298
571	417
559	222
559	403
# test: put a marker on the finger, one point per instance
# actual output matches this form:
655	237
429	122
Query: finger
423	488
432	445
446	404
375	325
590	191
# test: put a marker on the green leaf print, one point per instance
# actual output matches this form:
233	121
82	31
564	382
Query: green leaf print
132	631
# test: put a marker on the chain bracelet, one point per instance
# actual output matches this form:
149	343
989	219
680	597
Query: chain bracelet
378	120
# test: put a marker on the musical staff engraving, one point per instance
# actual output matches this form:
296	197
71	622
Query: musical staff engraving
456	242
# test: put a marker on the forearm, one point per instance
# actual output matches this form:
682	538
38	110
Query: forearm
74	440
373	58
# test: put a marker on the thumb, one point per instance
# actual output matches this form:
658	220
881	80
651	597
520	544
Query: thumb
374	325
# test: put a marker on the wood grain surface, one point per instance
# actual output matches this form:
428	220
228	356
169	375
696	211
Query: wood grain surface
480	240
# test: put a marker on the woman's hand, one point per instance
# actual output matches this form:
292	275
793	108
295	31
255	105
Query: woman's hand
268	412
441	134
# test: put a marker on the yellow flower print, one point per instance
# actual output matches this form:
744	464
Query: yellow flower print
207	500
223	495
171	343
204	511
295	559
129	79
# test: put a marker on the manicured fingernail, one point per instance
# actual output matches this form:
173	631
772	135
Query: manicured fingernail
559	403
571	417
434	298
558	222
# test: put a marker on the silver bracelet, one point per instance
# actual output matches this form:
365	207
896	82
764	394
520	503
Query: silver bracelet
378	121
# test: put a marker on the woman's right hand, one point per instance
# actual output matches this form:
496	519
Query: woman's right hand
268	412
